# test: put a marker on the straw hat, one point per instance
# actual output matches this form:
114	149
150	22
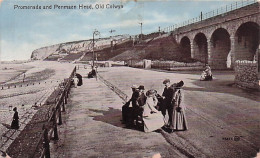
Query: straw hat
134	86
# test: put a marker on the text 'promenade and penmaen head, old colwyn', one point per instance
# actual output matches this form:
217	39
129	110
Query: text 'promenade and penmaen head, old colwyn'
68	7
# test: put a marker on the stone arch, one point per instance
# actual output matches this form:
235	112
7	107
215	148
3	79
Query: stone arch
185	47
220	49
246	41
229	28
200	48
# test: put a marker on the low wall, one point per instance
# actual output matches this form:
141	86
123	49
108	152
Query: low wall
246	74
171	65
167	65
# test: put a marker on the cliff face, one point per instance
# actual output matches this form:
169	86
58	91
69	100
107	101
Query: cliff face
59	51
44	52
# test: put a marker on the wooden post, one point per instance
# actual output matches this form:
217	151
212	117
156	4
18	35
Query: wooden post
60	118
46	143
56	137
66	97
63	104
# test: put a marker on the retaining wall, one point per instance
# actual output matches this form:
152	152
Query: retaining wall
247	74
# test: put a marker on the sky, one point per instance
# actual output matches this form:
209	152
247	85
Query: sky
24	30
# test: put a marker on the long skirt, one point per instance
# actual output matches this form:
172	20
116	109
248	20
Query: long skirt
15	124
153	122
179	122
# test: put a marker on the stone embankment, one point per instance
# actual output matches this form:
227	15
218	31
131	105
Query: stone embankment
247	74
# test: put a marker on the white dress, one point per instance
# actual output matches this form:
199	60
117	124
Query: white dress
76	81
152	121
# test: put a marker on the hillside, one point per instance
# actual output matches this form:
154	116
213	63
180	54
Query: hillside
124	48
160	48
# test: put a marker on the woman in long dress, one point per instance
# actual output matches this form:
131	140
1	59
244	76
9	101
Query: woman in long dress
15	122
153	119
179	122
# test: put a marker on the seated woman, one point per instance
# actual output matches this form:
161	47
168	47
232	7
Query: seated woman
206	74
153	119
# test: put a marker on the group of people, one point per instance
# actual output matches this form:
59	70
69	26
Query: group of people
77	80
151	111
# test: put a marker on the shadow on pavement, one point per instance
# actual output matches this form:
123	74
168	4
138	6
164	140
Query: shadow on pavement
112	116
7	126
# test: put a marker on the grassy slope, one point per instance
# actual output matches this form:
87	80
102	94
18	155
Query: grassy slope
161	48
164	48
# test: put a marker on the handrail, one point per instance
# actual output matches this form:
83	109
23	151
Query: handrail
55	115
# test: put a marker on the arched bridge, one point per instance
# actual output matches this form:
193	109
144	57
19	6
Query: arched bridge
222	39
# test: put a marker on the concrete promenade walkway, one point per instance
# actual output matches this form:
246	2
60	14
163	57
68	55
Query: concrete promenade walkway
223	120
92	128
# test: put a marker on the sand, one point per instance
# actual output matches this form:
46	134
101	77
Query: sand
39	81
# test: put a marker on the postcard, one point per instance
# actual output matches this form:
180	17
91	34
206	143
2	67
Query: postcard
129	78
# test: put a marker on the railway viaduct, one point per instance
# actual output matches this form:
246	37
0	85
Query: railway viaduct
222	39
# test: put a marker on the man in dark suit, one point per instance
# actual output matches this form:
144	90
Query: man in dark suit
168	96
140	103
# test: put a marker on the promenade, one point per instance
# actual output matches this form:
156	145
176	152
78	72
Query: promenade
92	128
223	119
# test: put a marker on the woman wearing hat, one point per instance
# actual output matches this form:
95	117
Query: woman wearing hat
128	115
153	119
178	122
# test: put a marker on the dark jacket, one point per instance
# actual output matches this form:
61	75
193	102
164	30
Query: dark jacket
168	94
134	98
141	100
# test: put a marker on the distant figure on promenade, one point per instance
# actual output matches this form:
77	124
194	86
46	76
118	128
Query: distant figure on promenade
92	73
79	79
15	122
167	99
206	74
128	116
138	111
178	120
153	119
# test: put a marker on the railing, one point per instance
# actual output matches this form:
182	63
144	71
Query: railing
120	93
211	14
49	129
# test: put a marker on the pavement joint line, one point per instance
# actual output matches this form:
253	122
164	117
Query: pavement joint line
183	151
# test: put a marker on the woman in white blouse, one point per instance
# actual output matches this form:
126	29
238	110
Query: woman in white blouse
153	119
